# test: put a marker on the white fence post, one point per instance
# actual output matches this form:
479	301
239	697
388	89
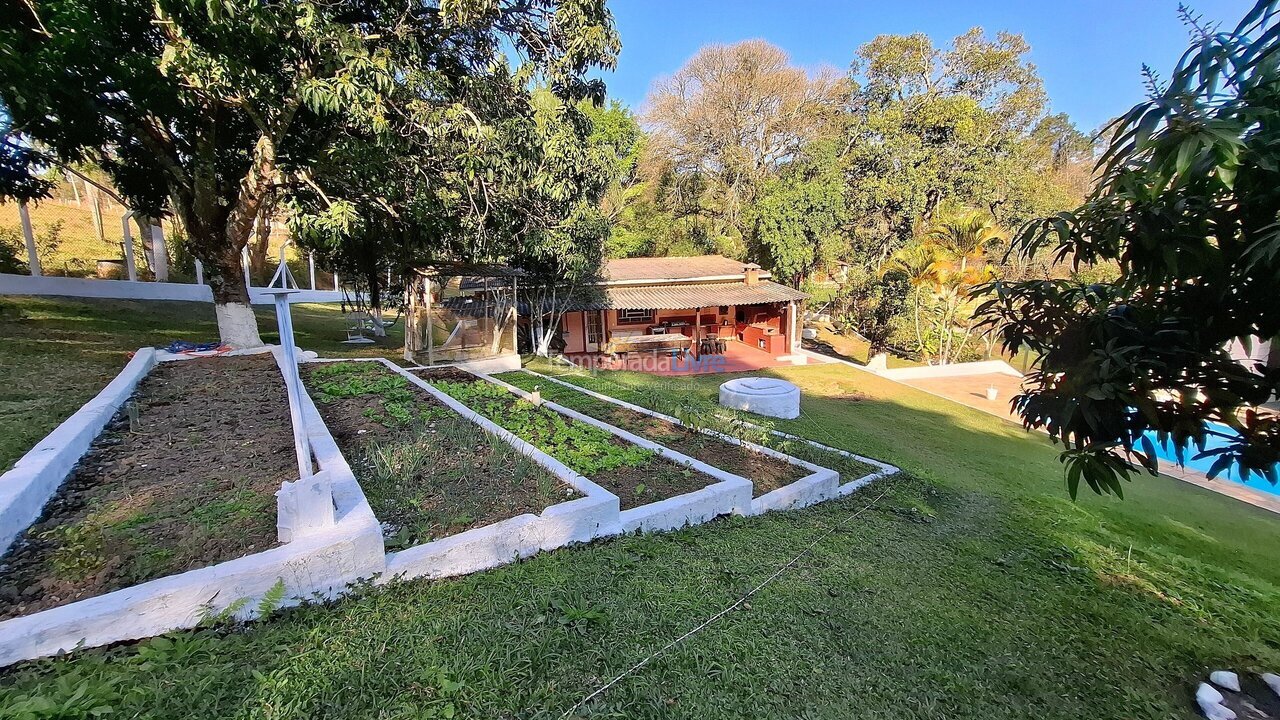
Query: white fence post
336	284
199	272
311	265
159	254
33	258
130	265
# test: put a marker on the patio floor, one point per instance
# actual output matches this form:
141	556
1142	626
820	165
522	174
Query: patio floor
971	390
737	357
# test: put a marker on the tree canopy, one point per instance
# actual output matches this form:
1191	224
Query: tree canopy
206	109
824	178
1187	208
728	119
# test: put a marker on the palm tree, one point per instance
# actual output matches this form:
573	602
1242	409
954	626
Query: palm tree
964	235
918	261
940	287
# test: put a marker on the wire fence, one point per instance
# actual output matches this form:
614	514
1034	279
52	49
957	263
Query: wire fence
72	238
81	232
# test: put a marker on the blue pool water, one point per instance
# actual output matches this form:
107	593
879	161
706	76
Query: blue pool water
1165	452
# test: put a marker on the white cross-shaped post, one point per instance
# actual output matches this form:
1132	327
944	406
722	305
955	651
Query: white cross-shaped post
306	504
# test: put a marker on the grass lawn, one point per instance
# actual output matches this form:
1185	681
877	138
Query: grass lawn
56	353
971	588
854	348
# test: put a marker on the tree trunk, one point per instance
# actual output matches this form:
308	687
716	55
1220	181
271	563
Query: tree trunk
258	260
96	200
220	240
417	320
237	325
144	235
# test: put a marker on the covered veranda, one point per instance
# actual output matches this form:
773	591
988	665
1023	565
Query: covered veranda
683	329
737	357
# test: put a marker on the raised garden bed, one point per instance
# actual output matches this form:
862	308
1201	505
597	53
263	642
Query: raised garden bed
638	476
427	472
182	478
766	473
851	467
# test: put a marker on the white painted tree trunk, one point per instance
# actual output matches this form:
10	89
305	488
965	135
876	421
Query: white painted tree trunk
544	341
237	325
379	330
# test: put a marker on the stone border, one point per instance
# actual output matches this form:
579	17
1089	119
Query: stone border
579	520
320	564
820	484
731	495
38	474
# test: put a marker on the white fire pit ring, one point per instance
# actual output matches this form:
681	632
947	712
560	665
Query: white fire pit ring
762	396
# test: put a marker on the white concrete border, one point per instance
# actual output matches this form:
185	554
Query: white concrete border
579	520
133	290
321	564
39	473
820	484
985	367
884	469
731	495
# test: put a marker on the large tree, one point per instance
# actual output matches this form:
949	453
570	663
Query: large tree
207	108
729	117
964	124
797	224
1188	208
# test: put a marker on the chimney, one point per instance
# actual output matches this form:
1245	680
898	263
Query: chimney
751	274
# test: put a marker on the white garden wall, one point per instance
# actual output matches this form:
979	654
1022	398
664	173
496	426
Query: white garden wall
582	519
732	495
820	484
324	562
985	367
130	290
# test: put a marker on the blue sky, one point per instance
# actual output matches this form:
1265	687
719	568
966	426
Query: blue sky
1089	52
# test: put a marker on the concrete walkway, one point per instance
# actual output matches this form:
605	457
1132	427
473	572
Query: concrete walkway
971	390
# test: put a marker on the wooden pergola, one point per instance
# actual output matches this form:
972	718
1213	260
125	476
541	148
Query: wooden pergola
418	302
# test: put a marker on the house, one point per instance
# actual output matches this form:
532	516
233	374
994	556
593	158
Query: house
687	306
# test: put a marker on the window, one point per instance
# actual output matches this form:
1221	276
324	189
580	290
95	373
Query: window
635	317
593	328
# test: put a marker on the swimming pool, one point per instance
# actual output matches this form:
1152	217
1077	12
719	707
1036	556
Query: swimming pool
1165	452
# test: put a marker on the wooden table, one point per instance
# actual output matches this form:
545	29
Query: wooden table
648	343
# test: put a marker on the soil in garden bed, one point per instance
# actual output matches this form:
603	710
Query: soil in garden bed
636	475
189	482
849	468
426	471
765	472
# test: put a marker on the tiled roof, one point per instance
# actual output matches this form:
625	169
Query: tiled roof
691	295
658	269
